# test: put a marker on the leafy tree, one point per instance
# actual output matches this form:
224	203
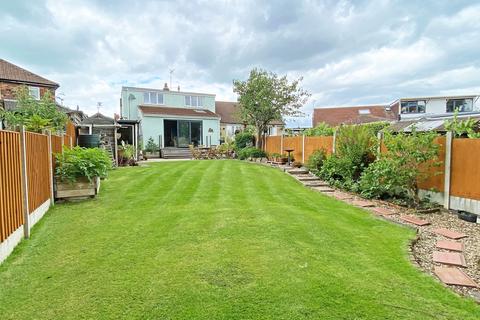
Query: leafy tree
244	139
322	129
36	115
266	97
460	127
397	171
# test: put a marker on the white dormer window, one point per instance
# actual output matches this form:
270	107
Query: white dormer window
34	92
194	101
153	98
364	111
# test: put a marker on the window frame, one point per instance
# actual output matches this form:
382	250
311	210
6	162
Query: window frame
155	94
189	101
416	107
37	89
455	105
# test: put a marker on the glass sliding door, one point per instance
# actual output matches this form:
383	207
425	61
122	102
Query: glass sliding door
196	132
183	133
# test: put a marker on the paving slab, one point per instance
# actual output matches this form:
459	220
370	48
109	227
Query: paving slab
362	203
449	233
450	245
454	276
307	178
383	211
452	258
323	189
342	195
297	171
318	183
414	220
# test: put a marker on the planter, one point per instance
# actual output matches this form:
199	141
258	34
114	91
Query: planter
79	189
467	216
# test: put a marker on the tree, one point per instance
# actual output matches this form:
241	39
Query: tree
266	97
151	146
35	115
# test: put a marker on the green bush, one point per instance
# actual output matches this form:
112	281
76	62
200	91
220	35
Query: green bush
151	146
354	152
251	152
316	160
82	162
244	139
397	172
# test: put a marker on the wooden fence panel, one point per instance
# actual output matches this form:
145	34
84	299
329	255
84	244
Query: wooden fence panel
56	147
435	175
38	170
71	132
313	144
465	169
294	143
11	201
273	144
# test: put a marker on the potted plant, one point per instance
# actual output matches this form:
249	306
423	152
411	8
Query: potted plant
78	172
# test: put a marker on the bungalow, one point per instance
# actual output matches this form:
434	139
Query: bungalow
175	119
335	116
231	124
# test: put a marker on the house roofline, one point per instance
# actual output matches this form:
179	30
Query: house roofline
167	91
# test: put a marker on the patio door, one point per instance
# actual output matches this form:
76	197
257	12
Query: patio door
183	133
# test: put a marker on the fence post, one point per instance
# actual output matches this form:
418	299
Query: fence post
63	141
334	145
281	144
303	148
380	140
26	211
448	169
50	166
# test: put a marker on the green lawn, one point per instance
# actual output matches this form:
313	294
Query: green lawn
217	240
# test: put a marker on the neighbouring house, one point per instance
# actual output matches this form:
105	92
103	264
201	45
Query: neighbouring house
335	116
421	107
13	76
174	119
231	124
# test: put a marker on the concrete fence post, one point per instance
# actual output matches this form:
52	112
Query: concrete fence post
448	169
26	210
334	144
50	166
303	148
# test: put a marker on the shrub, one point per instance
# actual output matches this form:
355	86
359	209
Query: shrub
251	152
244	139
354	152
397	172
316	160
297	164
82	162
151	146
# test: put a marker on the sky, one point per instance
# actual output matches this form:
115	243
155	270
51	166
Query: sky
348	52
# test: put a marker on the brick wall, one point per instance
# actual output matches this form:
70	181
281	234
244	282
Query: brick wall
7	90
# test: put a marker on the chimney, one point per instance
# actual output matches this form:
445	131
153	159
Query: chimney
78	108
165	87
178	88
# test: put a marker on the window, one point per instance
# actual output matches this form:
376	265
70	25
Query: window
153	98
364	111
194	101
34	92
462	105
413	106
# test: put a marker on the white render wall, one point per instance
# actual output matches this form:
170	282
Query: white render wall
435	107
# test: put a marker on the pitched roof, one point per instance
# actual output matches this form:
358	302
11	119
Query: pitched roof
352	115
183	112
12	73
227	111
98	118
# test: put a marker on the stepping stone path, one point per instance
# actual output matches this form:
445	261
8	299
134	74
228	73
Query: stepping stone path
450	245
382	211
317	183
362	203
454	276
323	189
304	177
449	233
452	258
414	220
